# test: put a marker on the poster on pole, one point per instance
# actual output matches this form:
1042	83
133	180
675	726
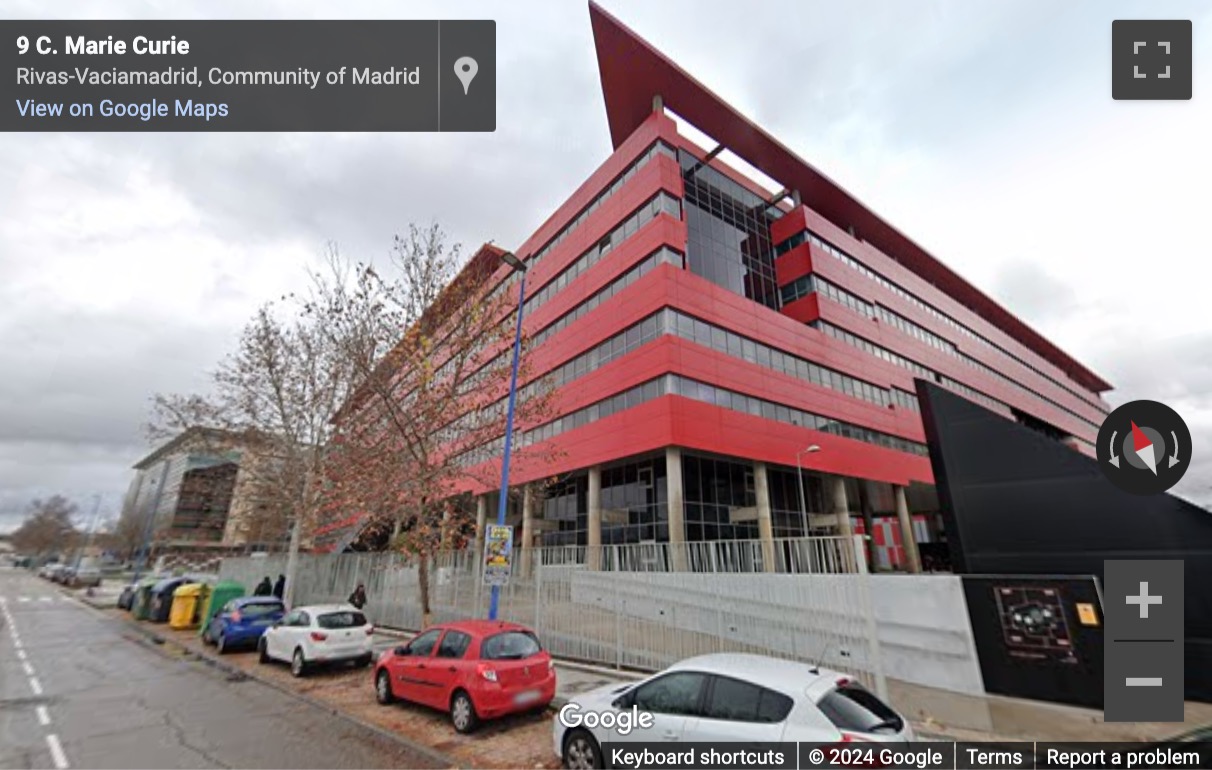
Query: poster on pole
498	554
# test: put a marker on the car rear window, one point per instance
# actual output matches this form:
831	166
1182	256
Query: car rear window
510	645
851	707
341	620
260	609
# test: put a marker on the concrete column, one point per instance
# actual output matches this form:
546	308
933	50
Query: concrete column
795	198
841	506
593	554
677	519
658	103
868	522
765	522
477	543
907	537
527	551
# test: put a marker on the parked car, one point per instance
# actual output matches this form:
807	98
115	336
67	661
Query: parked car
241	622
728	697
86	576
321	634
49	571
472	669
65	575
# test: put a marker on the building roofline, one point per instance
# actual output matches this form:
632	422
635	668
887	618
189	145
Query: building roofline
633	72
177	441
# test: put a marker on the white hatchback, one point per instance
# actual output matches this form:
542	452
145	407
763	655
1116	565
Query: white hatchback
327	633
727	697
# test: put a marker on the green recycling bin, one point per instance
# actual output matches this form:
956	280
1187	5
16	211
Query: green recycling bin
223	592
141	606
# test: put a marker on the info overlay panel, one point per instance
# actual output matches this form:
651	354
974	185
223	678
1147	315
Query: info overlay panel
248	75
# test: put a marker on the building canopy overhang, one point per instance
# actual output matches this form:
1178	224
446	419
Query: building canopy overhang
633	73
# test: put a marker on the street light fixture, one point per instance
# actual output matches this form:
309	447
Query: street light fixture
519	267
799	477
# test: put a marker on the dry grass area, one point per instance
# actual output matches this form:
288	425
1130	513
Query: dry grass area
522	741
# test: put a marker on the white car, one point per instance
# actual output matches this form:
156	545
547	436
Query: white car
321	634
727	697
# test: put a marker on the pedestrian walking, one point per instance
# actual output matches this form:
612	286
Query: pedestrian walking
358	597
264	588
280	586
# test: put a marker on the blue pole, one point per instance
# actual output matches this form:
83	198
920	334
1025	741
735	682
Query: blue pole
513	395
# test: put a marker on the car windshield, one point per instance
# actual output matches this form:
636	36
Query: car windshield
341	620
851	707
260	609
511	645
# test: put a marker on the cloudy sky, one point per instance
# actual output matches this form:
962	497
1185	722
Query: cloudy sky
984	130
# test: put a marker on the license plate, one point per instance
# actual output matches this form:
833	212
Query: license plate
529	696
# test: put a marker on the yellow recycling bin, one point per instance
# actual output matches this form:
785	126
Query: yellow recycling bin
187	605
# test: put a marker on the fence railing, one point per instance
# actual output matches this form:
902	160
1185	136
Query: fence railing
642	606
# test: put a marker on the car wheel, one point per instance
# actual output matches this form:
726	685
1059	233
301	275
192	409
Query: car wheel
364	661
581	751
463	713
263	650
298	666
221	644
383	691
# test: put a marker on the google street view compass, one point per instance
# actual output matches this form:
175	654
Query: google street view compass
1144	447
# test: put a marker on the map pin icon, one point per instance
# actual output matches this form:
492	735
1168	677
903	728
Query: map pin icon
466	69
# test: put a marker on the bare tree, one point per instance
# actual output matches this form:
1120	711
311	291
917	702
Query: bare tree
47	527
275	397
431	402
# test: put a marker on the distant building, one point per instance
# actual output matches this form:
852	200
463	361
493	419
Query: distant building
202	491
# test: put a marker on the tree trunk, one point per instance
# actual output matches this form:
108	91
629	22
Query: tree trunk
423	584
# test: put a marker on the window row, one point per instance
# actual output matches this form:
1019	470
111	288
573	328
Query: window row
930	310
662	256
896	359
662	202
659	148
805	285
739	402
732	344
920	333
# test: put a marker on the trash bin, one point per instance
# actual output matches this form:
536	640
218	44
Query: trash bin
187	605
223	592
143	597
162	598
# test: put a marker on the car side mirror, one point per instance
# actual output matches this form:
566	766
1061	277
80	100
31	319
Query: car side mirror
623	702
401	651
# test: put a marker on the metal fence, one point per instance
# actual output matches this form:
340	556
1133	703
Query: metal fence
642	606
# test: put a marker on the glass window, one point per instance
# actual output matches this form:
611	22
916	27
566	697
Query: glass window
454	644
677	693
737	701
423	644
852	707
510	645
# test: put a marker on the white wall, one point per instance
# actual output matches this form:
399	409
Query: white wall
921	620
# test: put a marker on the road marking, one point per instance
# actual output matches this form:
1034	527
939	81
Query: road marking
27	668
20	654
47	599
43	716
23	598
35	685
56	751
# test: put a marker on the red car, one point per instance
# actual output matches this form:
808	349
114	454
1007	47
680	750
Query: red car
474	669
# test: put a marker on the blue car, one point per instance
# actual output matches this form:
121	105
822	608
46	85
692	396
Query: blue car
242	621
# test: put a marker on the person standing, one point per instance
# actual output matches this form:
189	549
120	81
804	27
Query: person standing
280	586
264	588
358	597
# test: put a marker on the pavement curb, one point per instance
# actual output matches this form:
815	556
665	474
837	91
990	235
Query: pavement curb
439	759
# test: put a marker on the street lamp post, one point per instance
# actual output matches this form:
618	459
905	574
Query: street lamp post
799	477
520	268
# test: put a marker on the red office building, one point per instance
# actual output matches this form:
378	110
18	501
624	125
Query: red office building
710	336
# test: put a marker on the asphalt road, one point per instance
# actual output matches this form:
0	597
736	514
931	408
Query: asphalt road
78	689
